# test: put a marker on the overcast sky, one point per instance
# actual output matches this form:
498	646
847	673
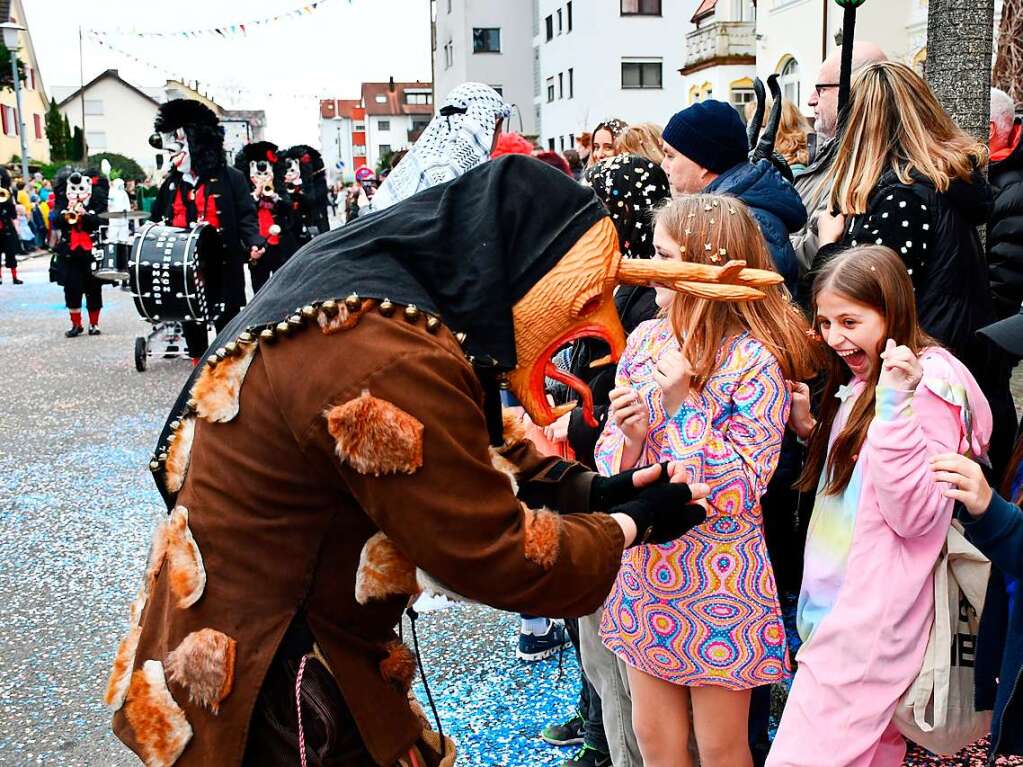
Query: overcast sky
328	52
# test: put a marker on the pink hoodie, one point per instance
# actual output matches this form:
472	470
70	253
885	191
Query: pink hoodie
866	644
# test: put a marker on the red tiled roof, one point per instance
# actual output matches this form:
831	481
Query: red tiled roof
395	100
706	8
330	108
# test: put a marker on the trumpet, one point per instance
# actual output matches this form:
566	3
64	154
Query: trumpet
268	190
70	216
5	195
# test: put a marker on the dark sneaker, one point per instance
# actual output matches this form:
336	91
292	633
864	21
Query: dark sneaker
76	330
568	733
533	647
18	282
587	756
93	330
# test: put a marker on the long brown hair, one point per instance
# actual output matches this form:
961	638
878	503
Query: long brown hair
876	277
790	141
643	139
895	123
714	229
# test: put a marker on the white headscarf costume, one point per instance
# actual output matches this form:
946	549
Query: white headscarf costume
458	138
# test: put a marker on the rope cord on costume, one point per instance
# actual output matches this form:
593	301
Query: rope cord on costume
412	616
298	709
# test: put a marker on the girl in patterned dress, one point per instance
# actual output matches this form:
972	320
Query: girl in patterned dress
705	385
893	400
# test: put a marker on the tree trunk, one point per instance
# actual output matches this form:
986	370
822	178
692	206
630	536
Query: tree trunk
960	36
1008	74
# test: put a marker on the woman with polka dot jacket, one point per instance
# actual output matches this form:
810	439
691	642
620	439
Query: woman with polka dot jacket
906	176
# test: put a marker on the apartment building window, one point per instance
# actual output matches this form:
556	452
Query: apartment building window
561	24
449	6
571	140
359	127
383	124
550	27
789	81
383	149
10	120
37	121
561	85
449	55
486	40
641	74
550	89
571	82
499	89
550	144
418	98
568	14
381	98
641	7
561	143
740	97
93	107
96	141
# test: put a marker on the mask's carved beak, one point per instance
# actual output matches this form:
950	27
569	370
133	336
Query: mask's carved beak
575	300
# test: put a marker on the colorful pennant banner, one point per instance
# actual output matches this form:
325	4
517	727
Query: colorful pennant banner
223	31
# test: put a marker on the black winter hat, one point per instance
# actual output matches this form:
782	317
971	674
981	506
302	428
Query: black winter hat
710	133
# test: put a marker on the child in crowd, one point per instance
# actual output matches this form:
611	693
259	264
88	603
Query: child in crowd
698	620
25	233
893	400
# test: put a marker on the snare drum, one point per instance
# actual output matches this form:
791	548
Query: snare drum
112	265
166	271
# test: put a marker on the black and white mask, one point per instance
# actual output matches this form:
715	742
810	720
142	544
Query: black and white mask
293	172
175	146
261	174
79	189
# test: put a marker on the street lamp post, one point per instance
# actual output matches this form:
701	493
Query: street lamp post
12	43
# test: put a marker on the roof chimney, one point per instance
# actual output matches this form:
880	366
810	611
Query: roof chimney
390	84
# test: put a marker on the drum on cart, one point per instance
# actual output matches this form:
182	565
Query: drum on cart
166	271
112	261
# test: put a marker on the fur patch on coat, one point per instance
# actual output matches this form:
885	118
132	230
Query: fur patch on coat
178	455
160	727
376	437
399	667
343	320
383	571
218	389
542	536
204	665
120	672
184	562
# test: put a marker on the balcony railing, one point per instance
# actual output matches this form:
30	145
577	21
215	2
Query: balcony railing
720	42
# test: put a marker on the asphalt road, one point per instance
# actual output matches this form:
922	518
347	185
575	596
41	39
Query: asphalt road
77	508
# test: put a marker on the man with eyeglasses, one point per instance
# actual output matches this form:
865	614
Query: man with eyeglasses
824	102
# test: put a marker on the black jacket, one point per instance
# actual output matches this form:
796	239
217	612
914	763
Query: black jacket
1005	233
999	665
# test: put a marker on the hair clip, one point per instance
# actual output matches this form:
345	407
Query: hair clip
714	257
731	211
714	203
713	221
706	207
681	247
873	269
688	231
723	251
707	247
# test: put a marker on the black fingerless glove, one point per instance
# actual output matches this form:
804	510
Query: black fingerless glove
662	513
608	492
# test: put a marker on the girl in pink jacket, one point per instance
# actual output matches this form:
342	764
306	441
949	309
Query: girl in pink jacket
893	399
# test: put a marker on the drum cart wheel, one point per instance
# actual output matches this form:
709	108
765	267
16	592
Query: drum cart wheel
141	353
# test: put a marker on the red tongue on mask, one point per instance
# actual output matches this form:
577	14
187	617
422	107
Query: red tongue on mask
575	384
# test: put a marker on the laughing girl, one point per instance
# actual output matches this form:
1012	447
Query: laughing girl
893	399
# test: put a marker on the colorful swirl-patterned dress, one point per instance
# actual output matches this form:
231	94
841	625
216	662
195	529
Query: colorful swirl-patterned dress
703	610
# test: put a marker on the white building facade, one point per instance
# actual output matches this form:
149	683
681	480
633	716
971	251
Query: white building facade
720	52
795	36
598	59
491	42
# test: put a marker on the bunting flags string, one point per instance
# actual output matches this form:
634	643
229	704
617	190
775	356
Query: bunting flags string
228	89
226	30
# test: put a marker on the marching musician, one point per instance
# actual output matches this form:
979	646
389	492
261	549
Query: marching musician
306	181
10	246
81	197
202	187
261	163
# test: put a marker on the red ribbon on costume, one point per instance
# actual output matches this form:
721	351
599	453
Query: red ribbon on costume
180	217
266	220
80	240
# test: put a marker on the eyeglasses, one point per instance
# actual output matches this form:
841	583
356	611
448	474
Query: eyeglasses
820	87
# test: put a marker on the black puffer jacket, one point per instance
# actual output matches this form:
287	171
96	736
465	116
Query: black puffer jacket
1005	233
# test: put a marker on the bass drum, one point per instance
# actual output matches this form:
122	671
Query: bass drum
112	265
166	271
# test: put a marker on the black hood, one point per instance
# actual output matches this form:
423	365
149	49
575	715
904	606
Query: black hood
465	251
